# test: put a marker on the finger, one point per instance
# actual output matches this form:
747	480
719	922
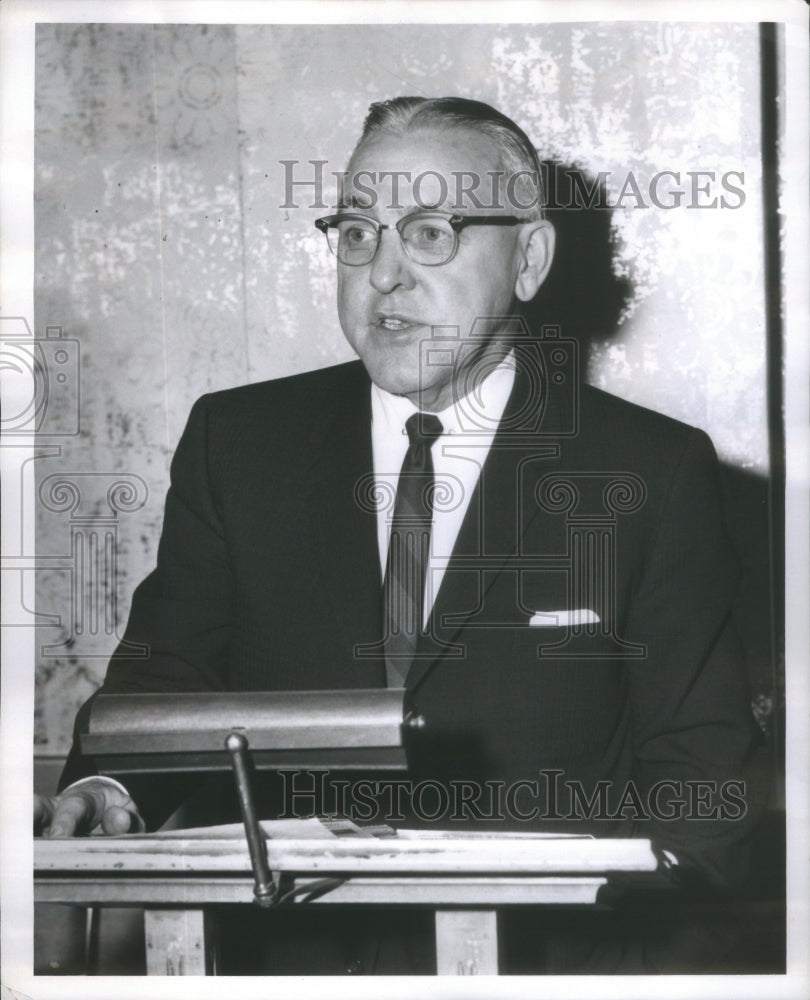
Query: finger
43	811
116	819
72	814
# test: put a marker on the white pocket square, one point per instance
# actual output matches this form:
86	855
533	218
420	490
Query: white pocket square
557	619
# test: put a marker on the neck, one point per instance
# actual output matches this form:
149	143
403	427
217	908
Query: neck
470	371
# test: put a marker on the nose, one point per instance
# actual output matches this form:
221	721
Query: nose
391	267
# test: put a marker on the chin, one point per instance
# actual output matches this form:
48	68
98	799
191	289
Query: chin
392	382
399	379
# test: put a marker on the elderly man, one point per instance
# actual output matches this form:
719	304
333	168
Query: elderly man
543	566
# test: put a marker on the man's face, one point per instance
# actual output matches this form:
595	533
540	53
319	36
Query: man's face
390	307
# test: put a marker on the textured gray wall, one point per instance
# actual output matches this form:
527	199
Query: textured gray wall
162	250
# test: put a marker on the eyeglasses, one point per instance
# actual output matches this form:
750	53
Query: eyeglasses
429	238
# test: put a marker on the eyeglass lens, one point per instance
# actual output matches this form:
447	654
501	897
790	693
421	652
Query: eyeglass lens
427	239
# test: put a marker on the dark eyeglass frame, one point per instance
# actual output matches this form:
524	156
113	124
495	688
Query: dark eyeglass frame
456	222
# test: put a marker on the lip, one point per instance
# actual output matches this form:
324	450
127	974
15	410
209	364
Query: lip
407	321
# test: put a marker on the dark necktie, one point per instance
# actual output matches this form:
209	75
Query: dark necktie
408	548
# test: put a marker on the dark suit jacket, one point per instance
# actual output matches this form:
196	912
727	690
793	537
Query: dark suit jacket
268	578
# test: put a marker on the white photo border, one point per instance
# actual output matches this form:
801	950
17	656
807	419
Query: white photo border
18	19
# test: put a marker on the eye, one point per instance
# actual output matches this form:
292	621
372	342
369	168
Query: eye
356	234
430	235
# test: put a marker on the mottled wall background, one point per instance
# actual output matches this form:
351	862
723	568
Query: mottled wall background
162	250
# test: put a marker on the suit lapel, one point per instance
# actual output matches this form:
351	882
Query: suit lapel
528	442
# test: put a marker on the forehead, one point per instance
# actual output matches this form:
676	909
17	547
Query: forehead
428	166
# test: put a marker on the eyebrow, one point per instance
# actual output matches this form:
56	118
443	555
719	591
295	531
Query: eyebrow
352	203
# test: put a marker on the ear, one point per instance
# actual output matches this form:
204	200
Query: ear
537	246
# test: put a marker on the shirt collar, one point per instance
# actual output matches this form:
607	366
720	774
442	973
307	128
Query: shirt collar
478	412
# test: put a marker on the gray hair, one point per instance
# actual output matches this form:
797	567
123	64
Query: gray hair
402	115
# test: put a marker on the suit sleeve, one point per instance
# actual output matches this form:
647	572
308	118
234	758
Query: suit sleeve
692	723
181	614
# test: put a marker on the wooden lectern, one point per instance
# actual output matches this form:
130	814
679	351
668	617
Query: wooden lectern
177	876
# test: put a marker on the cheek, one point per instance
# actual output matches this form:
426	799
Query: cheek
481	297
348	299
487	281
497	287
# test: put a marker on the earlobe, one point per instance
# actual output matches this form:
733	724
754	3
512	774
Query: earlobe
537	244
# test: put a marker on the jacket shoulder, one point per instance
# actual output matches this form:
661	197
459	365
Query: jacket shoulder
280	418
322	387
630	427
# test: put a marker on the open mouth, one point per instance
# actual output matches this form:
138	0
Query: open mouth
395	323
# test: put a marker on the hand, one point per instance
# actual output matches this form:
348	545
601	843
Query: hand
92	807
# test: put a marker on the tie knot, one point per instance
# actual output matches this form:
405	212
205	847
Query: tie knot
423	428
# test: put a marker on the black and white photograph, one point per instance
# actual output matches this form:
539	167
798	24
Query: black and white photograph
405	466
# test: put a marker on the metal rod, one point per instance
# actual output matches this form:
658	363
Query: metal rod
264	889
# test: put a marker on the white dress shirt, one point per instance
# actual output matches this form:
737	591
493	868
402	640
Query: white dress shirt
469	426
